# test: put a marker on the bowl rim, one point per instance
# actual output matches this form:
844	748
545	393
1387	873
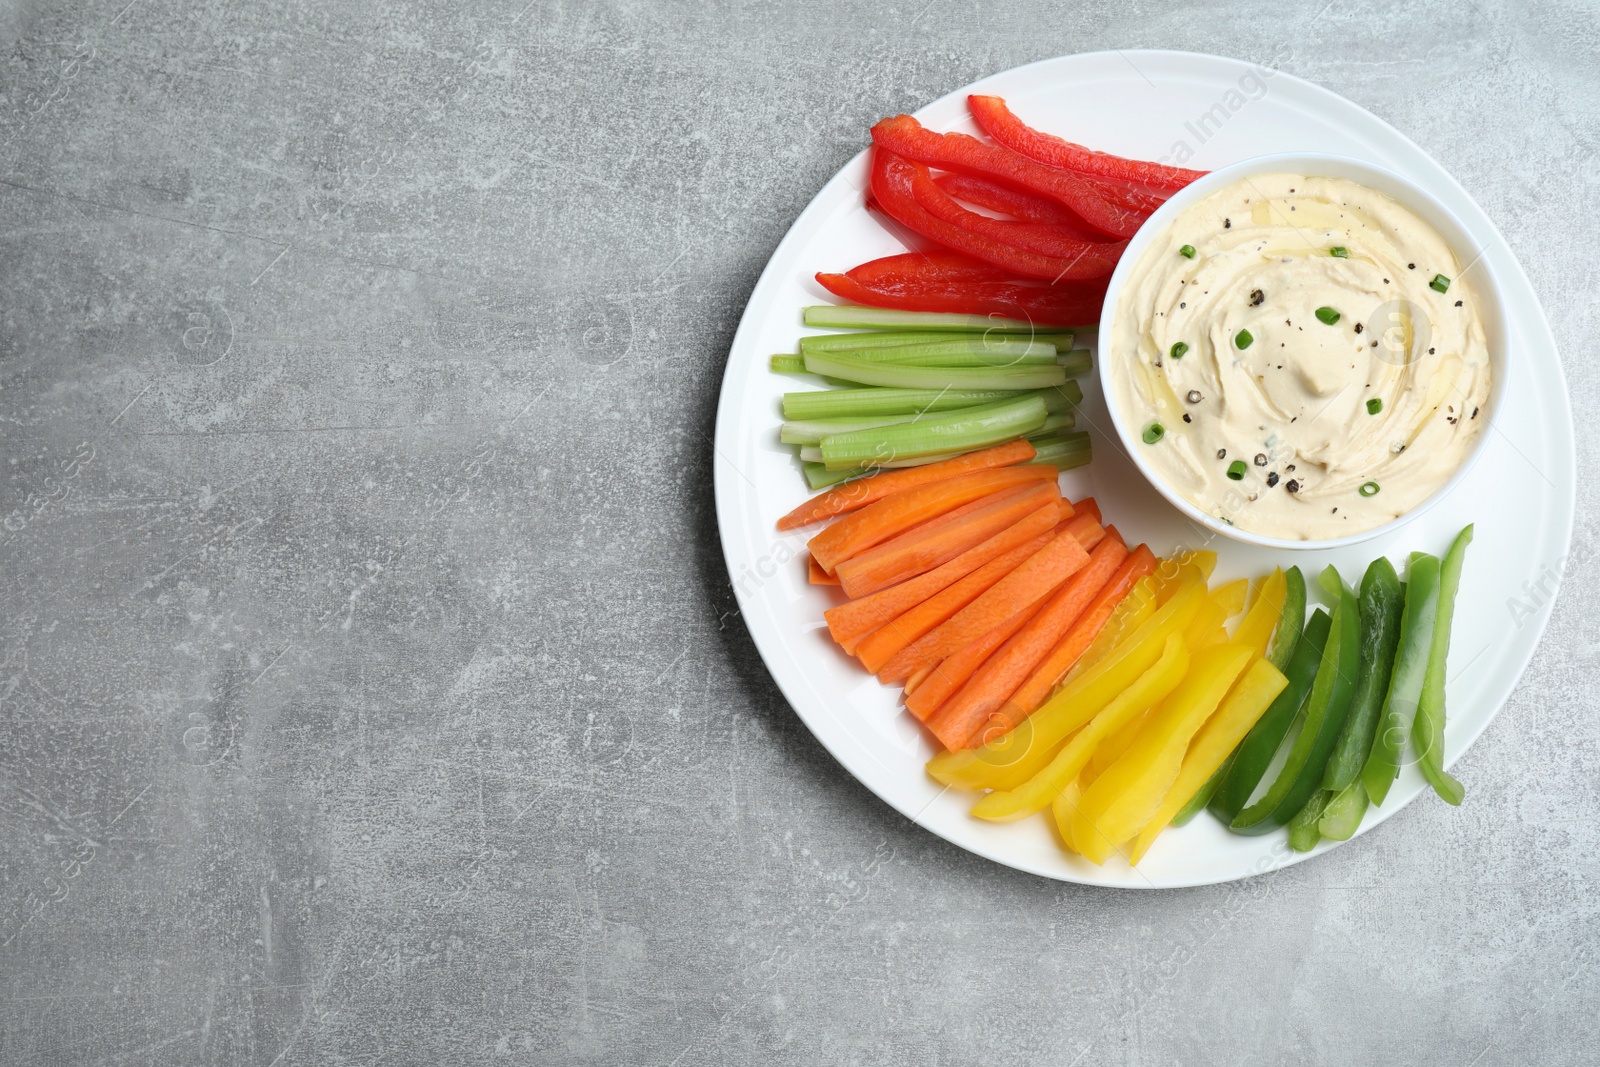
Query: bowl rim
1456	233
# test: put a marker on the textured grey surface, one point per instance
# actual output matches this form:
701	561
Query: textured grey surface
372	688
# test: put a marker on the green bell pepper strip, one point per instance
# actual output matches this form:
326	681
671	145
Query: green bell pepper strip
1325	714
1255	752
1405	683
1305	827
1344	812
1290	620
1284	638
1383	602
1427	729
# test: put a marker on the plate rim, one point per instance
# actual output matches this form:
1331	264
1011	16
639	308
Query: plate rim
724	493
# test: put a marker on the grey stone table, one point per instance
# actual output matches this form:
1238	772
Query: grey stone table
372	690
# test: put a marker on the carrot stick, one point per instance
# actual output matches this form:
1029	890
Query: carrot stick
880	645
1046	569
1087	506
937	542
967	713
818	575
850	622
877	522
917	679
863	491
1032	693
953	671
942	678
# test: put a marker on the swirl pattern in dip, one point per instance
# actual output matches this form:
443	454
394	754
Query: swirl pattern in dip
1302	357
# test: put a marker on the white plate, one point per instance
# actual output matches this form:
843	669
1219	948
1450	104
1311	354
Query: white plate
1144	104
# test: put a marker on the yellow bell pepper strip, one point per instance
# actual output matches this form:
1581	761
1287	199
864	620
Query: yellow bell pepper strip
1344	812
1326	710
1148	594
1410	670
1256	630
1254	754
1427	729
1112	748
1062	809
1383	601
1258	687
1011	760
1122	800
1304	831
1152	686
1230	596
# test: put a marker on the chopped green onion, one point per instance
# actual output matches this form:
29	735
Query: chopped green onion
902	376
1187	251
1243	339
1177	350
860	403
952	431
852	317
1327	316
1369	489
1339	252
1374	405
1439	284
1065	452
1154	432
1236	470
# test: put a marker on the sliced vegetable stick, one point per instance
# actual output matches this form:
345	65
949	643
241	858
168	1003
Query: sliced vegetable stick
877	522
938	542
963	661
954	670
1087	506
848	623
1051	565
917	679
1032	693
880	645
1245	703
818	575
992	684
864	491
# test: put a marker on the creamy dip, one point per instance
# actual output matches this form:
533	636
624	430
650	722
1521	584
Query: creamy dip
1336	372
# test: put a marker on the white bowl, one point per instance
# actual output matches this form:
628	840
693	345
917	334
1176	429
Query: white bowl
1468	248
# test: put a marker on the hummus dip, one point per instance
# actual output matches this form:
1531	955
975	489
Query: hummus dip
1300	357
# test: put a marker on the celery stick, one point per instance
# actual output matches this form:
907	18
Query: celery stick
1076	362
851	317
1062	397
955	431
962	352
813	454
859	403
820	477
1055	423
782	363
903	376
1065	452
812	431
839	342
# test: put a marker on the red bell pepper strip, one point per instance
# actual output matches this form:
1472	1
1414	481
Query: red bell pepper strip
996	120
905	136
1009	201
892	179
1044	305
934	266
1028	236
